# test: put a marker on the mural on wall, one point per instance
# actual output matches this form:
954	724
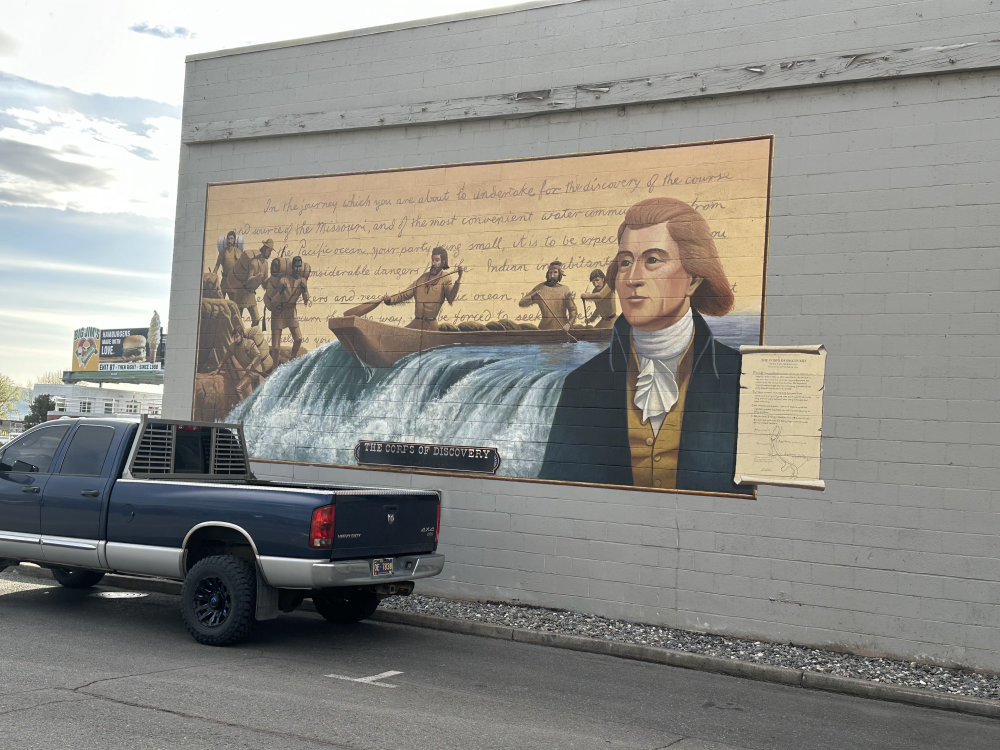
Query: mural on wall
571	319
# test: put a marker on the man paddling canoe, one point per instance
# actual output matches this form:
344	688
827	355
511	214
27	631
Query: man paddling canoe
432	289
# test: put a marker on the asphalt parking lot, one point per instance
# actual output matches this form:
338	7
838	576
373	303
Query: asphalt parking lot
114	667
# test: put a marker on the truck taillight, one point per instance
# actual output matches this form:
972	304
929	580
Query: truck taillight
321	528
437	526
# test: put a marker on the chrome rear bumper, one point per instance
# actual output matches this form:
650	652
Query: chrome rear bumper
282	572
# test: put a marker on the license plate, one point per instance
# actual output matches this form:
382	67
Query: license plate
382	566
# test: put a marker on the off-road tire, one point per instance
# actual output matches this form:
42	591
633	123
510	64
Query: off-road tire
77	578
218	600
349	606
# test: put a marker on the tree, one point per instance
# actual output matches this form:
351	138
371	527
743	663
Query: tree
10	395
40	409
51	377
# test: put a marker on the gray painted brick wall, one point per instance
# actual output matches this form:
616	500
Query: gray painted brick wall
882	248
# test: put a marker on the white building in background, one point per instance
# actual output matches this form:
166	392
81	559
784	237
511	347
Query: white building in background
98	401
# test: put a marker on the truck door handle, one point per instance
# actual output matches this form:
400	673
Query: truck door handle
90	493
33	490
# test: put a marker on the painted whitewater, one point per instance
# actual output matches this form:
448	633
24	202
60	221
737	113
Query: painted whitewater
316	408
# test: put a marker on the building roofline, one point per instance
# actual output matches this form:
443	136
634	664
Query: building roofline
372	30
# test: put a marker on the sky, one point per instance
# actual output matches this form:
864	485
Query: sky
90	119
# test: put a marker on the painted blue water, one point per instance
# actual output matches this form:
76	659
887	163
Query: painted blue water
316	408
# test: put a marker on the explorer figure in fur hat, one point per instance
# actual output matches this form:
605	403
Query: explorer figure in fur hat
554	300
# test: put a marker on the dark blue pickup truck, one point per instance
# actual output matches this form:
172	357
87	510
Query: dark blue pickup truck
177	500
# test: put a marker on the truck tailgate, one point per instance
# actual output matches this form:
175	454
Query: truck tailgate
374	523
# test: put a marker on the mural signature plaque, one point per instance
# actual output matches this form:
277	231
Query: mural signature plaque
456	458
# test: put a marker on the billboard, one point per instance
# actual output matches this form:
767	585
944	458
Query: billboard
119	349
572	318
128	350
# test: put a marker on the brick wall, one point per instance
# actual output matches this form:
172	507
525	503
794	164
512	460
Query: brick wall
882	248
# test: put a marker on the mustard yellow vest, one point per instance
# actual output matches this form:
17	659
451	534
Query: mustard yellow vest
654	459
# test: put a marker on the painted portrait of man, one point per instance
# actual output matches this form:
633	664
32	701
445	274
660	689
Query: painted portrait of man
658	408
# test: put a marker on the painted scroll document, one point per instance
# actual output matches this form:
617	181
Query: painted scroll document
781	416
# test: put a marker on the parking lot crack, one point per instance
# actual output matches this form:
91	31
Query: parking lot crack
40	704
290	738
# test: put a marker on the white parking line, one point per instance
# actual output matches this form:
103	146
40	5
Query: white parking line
373	680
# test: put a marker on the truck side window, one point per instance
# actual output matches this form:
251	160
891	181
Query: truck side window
34	451
86	453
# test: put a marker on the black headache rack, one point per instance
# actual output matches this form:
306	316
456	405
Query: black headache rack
174	449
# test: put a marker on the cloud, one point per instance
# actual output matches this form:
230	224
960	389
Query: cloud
79	269
46	317
35	196
8	45
40	164
76	248
132	112
143	153
65	158
178	32
63	149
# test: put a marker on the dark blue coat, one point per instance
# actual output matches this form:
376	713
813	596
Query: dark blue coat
589	437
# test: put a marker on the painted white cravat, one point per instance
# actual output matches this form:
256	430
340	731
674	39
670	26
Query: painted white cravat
659	353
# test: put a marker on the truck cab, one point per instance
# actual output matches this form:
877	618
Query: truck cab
54	484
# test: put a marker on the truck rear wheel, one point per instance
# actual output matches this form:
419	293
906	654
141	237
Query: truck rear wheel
349	606
77	578
218	600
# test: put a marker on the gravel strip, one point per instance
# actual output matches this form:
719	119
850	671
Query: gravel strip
957	682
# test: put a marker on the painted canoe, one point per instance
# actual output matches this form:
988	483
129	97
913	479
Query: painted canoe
380	345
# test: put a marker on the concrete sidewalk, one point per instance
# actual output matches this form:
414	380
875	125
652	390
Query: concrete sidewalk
746	670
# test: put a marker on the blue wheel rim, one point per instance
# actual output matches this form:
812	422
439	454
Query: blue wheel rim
212	602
